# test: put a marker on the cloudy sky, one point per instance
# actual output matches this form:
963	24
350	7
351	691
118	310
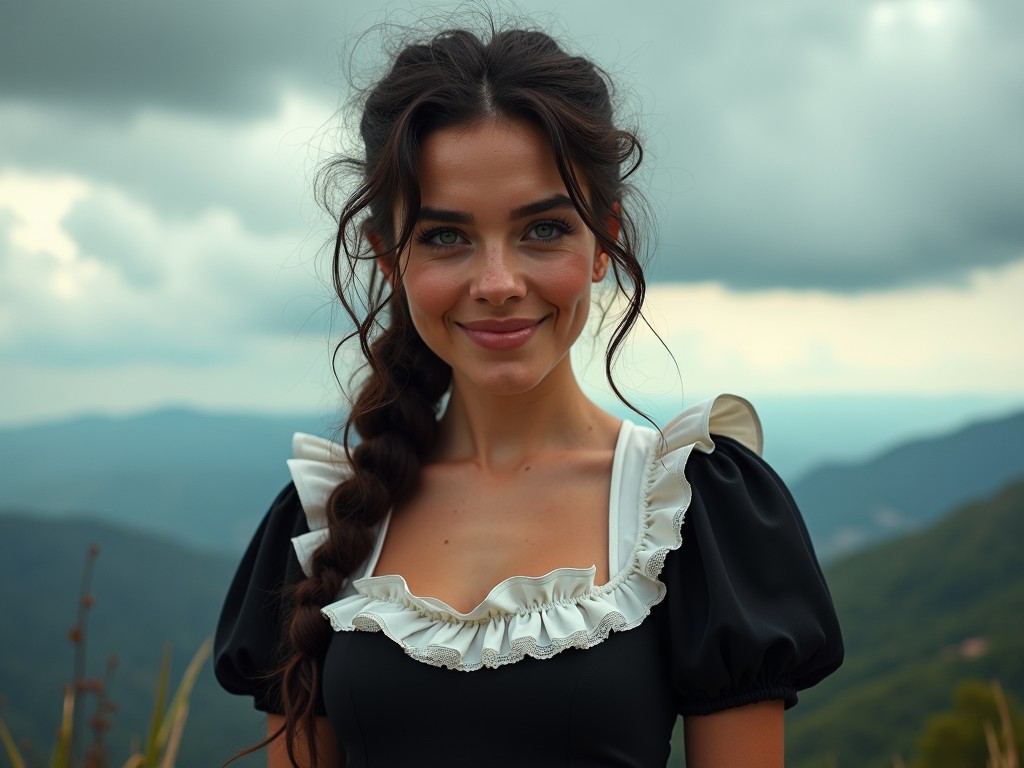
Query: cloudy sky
839	189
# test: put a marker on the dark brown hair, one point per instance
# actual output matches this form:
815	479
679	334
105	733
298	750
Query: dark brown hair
455	78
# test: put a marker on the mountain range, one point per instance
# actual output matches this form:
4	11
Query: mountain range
847	506
207	479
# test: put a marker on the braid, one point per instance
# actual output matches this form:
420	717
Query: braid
395	414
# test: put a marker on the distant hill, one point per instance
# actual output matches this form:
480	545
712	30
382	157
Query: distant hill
149	592
849	506
204	479
919	614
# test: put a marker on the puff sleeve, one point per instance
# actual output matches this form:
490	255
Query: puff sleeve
248	646
750	616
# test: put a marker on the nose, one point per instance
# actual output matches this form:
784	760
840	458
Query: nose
497	275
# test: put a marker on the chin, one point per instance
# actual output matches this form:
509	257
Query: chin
502	382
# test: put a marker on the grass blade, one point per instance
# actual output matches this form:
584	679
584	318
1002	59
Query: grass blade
152	747
17	761
62	749
188	681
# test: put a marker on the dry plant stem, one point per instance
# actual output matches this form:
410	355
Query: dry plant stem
1001	757
100	722
78	637
174	740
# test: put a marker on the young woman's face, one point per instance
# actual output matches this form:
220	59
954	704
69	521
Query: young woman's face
499	270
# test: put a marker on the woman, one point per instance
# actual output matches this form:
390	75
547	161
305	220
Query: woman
511	575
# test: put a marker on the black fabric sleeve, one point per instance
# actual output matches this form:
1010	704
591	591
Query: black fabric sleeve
750	616
249	647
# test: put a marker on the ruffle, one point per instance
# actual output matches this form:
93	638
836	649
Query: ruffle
543	615
317	467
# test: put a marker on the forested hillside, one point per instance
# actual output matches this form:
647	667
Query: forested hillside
919	614
149	592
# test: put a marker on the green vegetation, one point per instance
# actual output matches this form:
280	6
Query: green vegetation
985	728
920	615
152	594
167	723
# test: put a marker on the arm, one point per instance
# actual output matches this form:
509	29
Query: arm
744	737
328	753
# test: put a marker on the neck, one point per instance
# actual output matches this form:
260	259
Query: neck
503	431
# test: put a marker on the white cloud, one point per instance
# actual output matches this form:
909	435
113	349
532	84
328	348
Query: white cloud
181	163
140	287
927	341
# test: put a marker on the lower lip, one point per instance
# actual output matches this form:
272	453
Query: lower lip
501	340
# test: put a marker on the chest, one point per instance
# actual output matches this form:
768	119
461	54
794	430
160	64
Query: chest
464	533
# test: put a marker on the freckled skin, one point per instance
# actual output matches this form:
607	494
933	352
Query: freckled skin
498	267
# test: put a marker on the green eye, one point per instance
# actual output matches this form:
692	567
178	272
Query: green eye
447	237
545	231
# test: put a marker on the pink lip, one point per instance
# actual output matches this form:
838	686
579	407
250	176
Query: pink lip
501	334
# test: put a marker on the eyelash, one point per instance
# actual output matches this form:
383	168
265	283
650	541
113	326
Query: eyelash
561	226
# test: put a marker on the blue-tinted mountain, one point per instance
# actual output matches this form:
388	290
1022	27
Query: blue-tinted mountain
203	479
849	506
207	479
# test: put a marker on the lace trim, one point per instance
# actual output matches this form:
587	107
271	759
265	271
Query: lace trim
542	616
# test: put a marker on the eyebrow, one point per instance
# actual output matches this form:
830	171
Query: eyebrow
555	202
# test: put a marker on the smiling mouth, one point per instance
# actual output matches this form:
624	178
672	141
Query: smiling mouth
500	335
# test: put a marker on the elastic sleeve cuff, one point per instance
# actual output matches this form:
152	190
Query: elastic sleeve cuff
783	693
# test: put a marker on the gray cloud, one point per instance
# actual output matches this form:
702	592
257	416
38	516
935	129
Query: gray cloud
867	149
142	289
180	164
212	57
837	146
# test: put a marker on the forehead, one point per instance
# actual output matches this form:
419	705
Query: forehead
500	164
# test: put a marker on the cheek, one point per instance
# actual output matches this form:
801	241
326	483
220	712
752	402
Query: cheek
568	288
431	295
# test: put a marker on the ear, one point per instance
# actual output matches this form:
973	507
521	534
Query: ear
385	261
613	221
600	267
601	258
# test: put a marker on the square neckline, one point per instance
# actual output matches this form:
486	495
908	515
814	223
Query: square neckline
614	491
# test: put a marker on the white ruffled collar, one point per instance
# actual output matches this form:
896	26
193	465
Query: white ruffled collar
536	616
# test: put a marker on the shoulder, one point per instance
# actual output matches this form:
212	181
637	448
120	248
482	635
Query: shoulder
725	415
706	465
750	613
317	467
664	464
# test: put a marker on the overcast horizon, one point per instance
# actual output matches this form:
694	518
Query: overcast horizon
834	189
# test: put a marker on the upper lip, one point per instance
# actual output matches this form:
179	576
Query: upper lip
501	325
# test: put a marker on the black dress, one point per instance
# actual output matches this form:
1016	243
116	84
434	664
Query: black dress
716	600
